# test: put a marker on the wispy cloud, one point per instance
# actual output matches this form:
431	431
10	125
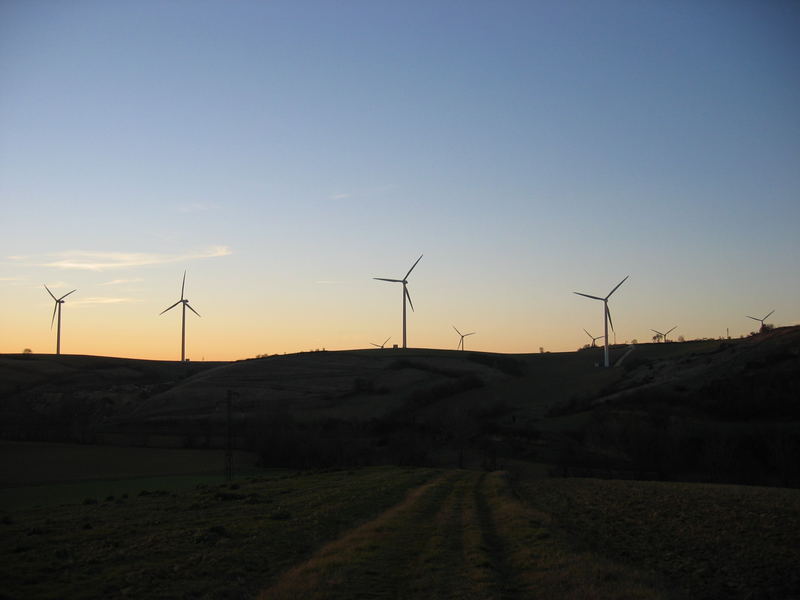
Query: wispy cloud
121	281
99	261
340	196
102	300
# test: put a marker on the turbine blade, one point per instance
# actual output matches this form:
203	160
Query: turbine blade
51	293
769	313
588	296
55	308
189	306
387	339
457	331
412	267
170	308
392	280
666	334
587	333
754	319
67	294
376	345
405	289
608	314
472	333
183	284
658	332
615	288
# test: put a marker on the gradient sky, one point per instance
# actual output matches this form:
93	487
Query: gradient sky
284	153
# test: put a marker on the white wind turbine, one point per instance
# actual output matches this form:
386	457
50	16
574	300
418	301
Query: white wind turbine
606	313
594	339
186	305
381	345
664	335
57	308
463	335
762	320
406	295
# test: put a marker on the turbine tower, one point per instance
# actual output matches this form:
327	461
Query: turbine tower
664	335
57	308
186	305
463	335
606	313
406	295
381	345
594	339
762	320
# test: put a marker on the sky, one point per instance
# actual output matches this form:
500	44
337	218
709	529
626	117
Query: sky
285	153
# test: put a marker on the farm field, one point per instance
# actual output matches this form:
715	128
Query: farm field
40	473
405	532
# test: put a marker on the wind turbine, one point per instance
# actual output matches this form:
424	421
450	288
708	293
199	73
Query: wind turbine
383	344
463	335
406	295
186	305
57	308
594	339
606	313
664	335
762	320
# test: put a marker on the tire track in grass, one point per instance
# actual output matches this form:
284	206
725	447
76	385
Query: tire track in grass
503	578
453	561
541	561
379	559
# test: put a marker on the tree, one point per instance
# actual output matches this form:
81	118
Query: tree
27	351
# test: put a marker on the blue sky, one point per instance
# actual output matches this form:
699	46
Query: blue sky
286	152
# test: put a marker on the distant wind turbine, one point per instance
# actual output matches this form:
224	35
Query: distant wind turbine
406	295
463	335
383	344
762	320
594	339
664	335
186	305
606	313
57	308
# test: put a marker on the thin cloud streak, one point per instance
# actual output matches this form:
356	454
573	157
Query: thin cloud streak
98	261
103	300
120	281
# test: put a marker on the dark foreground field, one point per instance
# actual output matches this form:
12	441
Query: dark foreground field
388	532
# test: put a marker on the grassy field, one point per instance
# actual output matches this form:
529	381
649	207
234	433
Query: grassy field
388	532
46	474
